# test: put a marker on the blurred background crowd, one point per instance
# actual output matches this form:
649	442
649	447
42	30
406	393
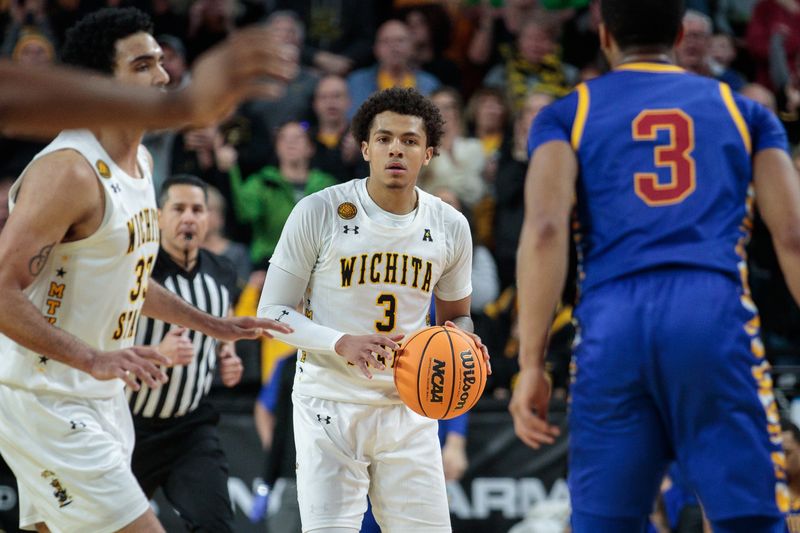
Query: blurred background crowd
489	65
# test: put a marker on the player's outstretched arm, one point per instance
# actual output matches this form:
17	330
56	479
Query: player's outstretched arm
777	187
161	304
49	99
542	261
60	196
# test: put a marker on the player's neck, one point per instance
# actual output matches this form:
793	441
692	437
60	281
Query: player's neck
634	55
122	147
395	201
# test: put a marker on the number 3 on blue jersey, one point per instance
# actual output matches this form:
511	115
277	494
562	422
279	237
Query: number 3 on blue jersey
676	156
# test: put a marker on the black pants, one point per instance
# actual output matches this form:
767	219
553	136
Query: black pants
183	456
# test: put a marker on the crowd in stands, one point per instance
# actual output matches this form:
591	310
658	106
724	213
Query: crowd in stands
489	66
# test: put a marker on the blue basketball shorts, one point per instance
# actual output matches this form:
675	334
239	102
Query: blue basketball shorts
668	366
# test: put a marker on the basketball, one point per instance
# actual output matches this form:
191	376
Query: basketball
439	372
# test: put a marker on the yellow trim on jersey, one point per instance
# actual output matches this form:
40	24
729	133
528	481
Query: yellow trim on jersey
736	115
650	67
580	115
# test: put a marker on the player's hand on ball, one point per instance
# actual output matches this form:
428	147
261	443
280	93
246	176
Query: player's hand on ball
363	350
529	405
130	364
477	340
247	327
177	346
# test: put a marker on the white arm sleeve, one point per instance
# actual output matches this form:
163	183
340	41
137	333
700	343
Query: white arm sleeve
279	298
290	269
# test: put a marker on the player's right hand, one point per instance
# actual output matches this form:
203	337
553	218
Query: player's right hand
363	350
177	346
236	69
529	405
130	364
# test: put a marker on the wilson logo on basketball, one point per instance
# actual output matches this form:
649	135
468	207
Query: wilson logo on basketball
437	381
468	379
439	372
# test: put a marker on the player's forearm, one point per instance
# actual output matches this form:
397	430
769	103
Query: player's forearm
307	335
24	324
463	322
161	304
542	261
34	100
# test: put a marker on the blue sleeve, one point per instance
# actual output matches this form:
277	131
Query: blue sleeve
553	123
268	396
766	131
453	425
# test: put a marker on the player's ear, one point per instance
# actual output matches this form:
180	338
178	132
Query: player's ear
365	150
428	155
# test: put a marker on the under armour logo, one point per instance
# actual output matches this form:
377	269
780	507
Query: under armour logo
427	235
115	187
325	419
76	424
348	229
283	314
43	360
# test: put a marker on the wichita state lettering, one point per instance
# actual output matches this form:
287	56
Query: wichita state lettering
387	267
142	228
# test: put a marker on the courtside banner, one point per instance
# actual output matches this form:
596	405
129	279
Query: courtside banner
506	479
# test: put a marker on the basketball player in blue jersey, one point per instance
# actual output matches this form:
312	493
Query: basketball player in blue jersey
663	167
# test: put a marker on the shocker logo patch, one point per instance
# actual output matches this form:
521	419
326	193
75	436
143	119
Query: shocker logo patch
102	168
59	492
347	210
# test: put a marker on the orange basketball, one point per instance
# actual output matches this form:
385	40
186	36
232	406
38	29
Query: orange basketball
439	372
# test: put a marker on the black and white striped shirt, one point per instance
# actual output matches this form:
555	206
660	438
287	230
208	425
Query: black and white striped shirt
209	287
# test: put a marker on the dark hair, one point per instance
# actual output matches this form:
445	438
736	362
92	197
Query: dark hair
643	23
91	42
403	102
181	179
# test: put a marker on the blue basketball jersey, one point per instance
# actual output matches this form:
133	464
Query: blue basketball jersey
665	162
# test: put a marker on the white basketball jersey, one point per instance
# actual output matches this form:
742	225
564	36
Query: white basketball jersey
371	278
92	288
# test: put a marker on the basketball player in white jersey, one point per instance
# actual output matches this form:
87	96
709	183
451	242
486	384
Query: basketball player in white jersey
364	258
75	257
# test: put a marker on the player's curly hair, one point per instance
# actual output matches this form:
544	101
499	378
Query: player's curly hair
91	42
403	102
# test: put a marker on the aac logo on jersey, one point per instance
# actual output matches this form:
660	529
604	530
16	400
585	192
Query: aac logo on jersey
347	210
102	168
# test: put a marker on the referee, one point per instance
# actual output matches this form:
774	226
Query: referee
177	445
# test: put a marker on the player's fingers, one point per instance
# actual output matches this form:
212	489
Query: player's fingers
532	429
386	342
365	368
128	378
146	370
144	376
372	361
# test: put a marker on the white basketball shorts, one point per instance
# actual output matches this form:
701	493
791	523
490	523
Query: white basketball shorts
346	451
71	457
